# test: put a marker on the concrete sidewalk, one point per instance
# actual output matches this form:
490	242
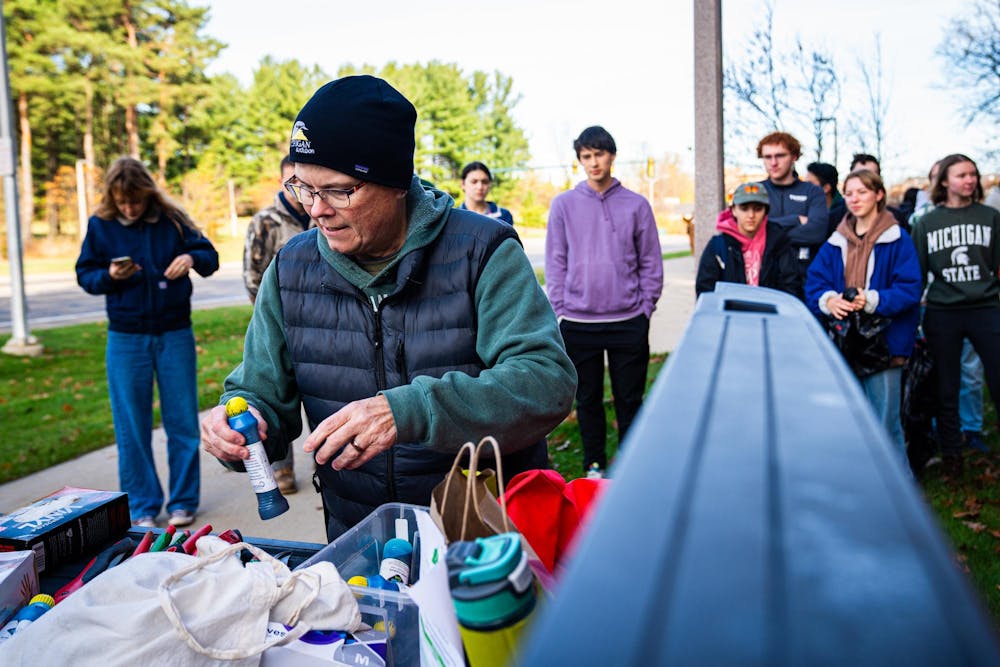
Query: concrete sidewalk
226	498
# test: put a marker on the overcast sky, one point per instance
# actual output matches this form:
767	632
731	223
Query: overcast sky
626	65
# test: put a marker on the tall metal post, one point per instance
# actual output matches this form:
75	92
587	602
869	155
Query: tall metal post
81	197
21	341
709	183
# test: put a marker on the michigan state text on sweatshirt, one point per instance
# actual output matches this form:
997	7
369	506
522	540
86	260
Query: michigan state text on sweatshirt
959	248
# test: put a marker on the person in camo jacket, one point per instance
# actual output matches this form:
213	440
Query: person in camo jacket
268	233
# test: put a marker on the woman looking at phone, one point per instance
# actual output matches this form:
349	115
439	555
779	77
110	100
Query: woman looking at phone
139	249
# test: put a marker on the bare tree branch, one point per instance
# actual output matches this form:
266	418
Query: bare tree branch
758	81
877	98
971	48
821	87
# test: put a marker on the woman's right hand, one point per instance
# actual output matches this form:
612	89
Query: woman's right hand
839	307
123	270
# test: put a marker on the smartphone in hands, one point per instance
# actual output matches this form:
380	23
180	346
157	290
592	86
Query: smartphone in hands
123	261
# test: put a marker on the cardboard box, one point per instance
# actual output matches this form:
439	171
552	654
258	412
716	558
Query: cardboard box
18	582
67	525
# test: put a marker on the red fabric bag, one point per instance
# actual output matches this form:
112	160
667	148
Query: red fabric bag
549	512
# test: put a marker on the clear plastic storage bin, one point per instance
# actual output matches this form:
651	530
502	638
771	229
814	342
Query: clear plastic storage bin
358	553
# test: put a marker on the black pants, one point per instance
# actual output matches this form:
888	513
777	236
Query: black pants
945	330
627	345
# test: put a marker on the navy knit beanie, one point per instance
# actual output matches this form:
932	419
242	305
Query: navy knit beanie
360	126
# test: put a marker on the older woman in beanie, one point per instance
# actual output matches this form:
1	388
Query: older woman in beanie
868	269
139	249
749	249
404	328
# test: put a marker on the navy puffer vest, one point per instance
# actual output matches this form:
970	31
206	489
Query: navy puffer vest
344	349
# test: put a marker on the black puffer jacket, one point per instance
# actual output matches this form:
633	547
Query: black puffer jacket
345	349
722	261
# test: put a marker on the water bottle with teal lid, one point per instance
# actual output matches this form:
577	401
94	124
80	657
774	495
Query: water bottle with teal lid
270	502
493	591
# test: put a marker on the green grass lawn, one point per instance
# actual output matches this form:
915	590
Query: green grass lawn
55	407
969	511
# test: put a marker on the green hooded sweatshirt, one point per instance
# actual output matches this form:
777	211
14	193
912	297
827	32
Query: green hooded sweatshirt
526	389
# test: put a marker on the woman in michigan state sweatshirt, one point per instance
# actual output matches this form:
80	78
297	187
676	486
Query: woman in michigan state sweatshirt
959	255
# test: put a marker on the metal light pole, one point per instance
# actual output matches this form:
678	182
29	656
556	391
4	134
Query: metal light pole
709	184
81	197
21	341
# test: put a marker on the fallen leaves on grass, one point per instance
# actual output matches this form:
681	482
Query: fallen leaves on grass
975	526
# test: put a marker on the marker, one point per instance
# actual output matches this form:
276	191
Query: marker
163	540
190	544
178	540
144	543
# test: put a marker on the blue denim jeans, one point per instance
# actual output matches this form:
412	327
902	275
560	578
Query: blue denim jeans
970	396
132	362
883	392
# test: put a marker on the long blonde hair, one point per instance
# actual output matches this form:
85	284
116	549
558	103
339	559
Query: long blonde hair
129	178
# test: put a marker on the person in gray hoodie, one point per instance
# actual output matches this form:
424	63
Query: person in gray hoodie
604	275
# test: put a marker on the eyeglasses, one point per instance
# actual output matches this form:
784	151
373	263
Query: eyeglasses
767	157
330	196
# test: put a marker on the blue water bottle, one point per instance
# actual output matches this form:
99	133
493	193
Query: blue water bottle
22	619
270	502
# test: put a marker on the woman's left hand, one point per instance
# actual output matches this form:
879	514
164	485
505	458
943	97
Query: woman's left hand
858	304
179	267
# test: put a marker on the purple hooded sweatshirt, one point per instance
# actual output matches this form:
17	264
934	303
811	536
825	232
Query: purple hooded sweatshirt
602	255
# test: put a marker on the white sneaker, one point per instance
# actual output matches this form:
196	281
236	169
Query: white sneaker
181	518
595	472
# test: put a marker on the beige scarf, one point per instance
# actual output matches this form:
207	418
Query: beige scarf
860	249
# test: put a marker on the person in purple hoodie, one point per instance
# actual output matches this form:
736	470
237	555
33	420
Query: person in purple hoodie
604	275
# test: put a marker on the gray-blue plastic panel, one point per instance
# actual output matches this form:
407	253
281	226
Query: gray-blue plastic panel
759	516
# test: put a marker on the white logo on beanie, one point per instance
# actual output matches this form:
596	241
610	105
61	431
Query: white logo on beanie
300	142
360	168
